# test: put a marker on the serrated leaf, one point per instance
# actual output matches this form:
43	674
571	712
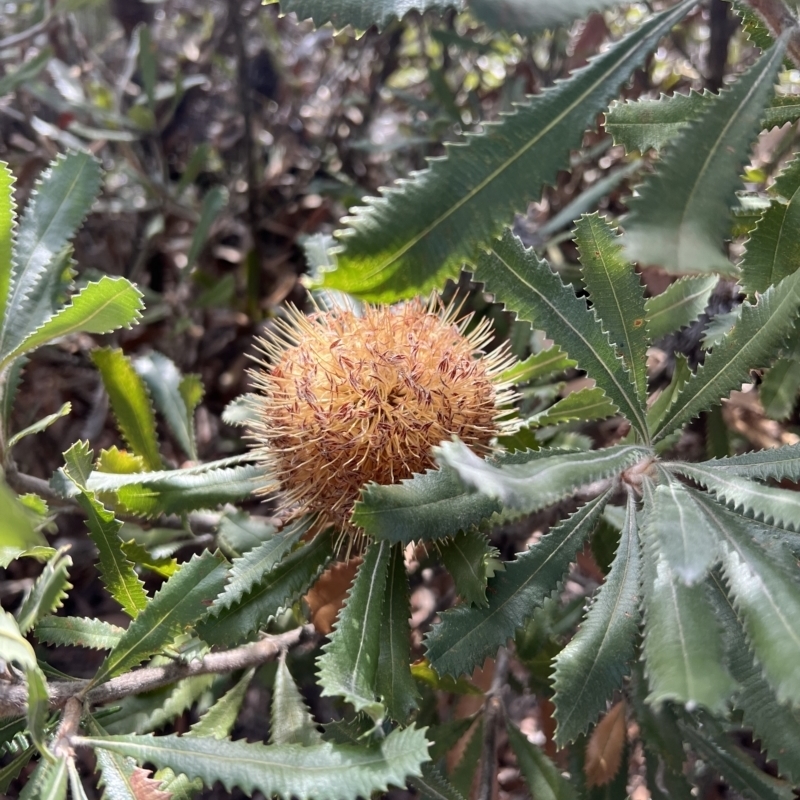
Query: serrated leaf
776	726
529	16
466	636
78	632
43	424
545	477
768	503
287	581
395	684
291	722
325	772
676	529
239	532
682	642
130	403
348	666
682	213
421	232
54	781
764	591
62	198
116	571
179	603
426	507
544	779
591	667
680	305
7	222
359	14
773	249
116	773
778	463
11	770
251	568
48	593
17	534
584	405
780	387
175	396
529	288
142	557
468	557
539	365
432	785
756	338
616	292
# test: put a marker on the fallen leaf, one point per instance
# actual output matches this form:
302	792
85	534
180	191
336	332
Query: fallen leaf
605	747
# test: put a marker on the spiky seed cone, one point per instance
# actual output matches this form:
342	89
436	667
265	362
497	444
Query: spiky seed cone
345	398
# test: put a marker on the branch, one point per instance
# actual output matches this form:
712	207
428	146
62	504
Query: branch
778	18
13	699
492	716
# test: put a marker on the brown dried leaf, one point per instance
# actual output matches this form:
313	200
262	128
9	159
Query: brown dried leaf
327	595
146	788
605	747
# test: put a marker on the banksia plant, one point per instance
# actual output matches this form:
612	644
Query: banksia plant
349	397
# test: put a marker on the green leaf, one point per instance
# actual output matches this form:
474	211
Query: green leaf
43	424
290	720
680	305
280	587
54	781
539	365
14	645
780	387
758	334
529	288
348	666
116	571
11	770
116	773
219	720
432	785
48	593
776	726
545	477
175	396
362	15
27	71
422	231
584	405
251	568
773	249
214	200
61	200
7	222
426	507
320	771
682	213
466	635
239	532
130	403
78	632
778	463
395	684
591	667
179	603
544	779
764	591
529	16
469	558
616	293
773	505
17	534
677	530
682	641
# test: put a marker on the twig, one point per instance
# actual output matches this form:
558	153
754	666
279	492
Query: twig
70	723
13	699
778	18
29	33
492	716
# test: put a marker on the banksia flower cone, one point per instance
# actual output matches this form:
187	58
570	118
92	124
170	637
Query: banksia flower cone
350	397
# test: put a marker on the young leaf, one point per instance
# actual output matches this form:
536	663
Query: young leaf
468	558
180	602
585	405
131	404
395	685
545	477
61	201
680	305
777	463
539	365
682	213
319	771
466	635
174	395
421	232
17	534
764	591
529	288
48	593
7	221
774	246
100	307
591	667
429	506
348	666
287	581
682	642
291	722
359	14
43	424
758	334
78	632
544	779
616	293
